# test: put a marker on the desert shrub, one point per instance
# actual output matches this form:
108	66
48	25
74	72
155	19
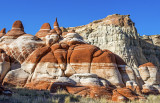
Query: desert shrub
67	100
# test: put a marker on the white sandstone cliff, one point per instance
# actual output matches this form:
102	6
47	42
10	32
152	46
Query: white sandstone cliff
118	34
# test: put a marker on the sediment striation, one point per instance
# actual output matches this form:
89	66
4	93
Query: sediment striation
104	58
118	34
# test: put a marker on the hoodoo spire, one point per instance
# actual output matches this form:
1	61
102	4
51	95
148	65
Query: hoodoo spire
56	27
44	30
46	26
17	29
18	25
2	32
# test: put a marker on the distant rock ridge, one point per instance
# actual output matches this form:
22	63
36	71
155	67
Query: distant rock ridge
118	34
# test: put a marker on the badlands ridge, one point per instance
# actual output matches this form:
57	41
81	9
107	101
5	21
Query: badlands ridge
104	58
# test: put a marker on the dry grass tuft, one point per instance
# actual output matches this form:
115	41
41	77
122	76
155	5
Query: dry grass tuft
21	95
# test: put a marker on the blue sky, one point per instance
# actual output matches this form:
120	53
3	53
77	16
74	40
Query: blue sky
70	13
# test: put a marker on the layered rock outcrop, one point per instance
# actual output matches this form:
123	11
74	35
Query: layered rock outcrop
45	29
118	34
151	77
16	31
56	58
19	45
150	47
4	64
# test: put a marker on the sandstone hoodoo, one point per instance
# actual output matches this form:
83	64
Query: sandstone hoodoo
45	29
62	59
17	29
56	27
2	32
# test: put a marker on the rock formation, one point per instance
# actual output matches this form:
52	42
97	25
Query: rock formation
2	32
4	64
57	28
56	58
16	31
150	48
118	34
45	29
151	77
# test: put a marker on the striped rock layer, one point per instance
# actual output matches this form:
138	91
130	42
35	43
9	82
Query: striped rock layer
54	59
2	32
118	34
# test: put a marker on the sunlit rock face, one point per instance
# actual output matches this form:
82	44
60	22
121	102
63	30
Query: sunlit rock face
4	64
45	29
16	31
2	32
45	59
19	45
151	77
52	38
118	34
23	46
149	73
61	58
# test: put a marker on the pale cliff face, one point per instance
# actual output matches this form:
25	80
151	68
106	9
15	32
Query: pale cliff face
150	47
118	34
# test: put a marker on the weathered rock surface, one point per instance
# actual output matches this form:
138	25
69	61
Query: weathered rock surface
134	87
149	73
57	28
4	64
16	31
86	79
151	77
45	29
56	58
93	91
16	77
118	34
2	32
22	47
150	47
